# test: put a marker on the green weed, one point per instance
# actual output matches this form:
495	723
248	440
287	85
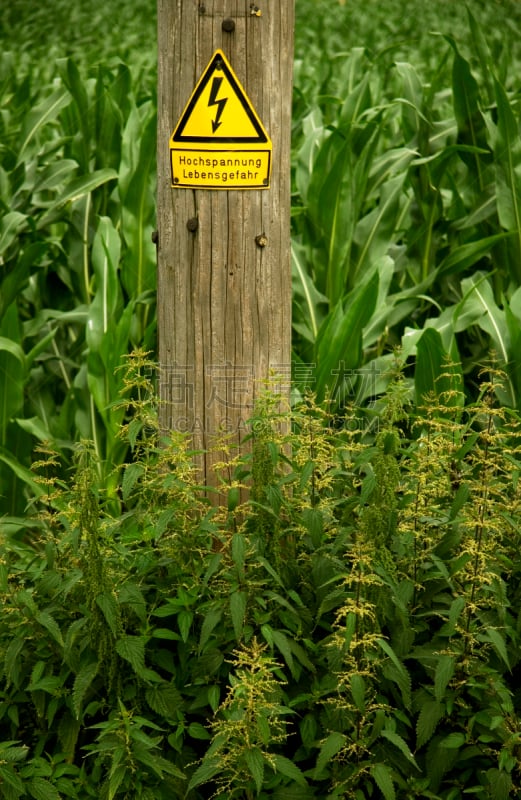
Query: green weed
350	629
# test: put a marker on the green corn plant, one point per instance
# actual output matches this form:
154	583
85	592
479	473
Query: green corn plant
76	284
432	207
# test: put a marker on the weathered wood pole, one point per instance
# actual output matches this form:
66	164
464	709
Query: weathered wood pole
224	271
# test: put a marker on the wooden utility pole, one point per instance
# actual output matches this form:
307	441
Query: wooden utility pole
224	274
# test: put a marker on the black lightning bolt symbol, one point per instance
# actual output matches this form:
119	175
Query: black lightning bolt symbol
216	85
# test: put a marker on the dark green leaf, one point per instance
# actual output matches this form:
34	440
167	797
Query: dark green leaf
165	700
255	763
431	713
41	789
238	602
339	343
328	750
82	682
289	769
383	778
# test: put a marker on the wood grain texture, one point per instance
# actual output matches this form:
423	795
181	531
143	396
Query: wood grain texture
224	302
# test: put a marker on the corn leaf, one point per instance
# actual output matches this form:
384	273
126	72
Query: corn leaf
339	343
507	155
438	373
44	113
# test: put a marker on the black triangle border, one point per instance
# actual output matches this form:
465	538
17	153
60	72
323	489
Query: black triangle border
218	63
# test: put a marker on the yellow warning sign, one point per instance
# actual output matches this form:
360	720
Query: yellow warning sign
219	141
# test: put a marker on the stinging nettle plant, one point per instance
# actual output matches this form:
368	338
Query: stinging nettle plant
355	632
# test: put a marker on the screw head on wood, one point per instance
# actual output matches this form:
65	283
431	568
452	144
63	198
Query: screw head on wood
228	25
192	224
261	240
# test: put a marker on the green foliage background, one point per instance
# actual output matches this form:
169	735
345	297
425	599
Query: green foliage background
353	630
406	201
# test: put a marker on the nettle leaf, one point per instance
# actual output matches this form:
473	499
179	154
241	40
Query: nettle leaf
109	607
184	621
210	622
383	778
131	476
399	673
255	764
165	700
82	682
198	731
11	663
453	741
41	789
214	695
131	595
458	604
68	732
313	520
401	744
329	749
50	624
498	643
205	772
289	769
357	685
238	550
308	730
117	775
281	641
238	601
500	784
444	673
13	754
430	714
132	649
12	786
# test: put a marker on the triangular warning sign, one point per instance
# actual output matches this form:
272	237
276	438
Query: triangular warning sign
219	111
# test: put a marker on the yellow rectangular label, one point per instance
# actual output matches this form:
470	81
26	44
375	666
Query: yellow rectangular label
220	169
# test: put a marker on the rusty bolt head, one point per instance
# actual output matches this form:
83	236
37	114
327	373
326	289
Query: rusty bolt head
228	25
